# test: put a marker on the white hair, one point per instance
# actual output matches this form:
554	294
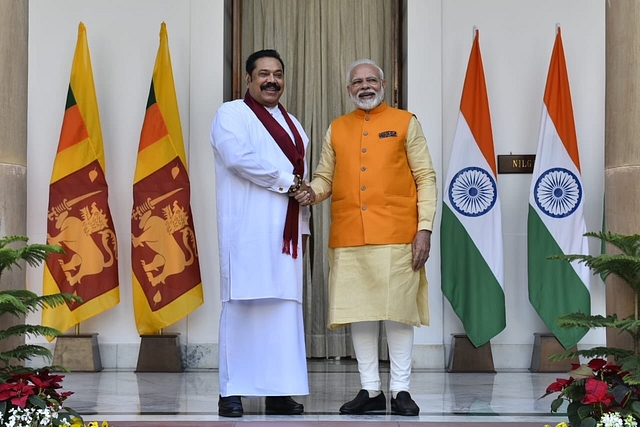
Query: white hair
362	62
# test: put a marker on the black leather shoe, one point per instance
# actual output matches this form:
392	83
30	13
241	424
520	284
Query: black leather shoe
403	404
363	403
230	406
282	405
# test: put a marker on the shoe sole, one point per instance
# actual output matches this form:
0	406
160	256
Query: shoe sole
381	411
231	415
406	414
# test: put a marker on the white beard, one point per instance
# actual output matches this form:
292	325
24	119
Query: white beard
367	104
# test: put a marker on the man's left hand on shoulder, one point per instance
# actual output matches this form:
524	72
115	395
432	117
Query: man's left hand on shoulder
421	247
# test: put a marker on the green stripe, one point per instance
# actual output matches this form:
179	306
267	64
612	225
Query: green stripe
152	96
71	100
555	289
468	282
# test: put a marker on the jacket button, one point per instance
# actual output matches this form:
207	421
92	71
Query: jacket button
364	208
364	187
367	118
363	169
364	150
365	133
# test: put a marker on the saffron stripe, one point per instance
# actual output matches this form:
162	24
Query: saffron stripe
557	98
475	105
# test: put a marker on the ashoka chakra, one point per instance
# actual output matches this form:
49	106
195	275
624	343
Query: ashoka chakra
557	192
472	191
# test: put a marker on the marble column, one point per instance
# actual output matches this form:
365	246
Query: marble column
14	29
622	144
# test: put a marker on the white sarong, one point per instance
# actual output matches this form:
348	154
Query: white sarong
262	349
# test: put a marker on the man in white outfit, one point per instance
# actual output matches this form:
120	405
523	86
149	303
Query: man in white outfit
376	165
259	163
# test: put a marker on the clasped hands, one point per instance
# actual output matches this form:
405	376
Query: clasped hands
304	195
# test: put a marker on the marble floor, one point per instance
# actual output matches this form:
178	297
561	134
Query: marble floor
511	396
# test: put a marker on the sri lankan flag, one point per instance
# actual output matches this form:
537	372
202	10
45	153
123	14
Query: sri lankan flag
164	255
78	217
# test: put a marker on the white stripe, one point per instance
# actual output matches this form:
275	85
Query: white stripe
552	153
484	230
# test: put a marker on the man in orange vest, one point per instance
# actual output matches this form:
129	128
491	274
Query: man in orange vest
376	165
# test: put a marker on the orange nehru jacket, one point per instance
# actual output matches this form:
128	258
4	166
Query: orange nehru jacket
374	200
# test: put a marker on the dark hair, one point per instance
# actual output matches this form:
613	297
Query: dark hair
266	53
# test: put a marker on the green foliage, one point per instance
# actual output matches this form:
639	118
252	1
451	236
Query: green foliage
593	352
625	265
631	366
619	384
33	254
20	302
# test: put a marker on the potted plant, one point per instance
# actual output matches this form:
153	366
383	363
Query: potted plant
599	390
30	396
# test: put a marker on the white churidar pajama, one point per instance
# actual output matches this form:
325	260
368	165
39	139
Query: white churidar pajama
365	343
261	343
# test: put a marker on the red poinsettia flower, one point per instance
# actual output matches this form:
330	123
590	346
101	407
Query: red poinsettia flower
597	364
64	395
559	385
42	379
613	369
596	391
52	381
16	393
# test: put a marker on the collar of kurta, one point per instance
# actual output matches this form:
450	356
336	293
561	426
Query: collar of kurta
373	112
295	153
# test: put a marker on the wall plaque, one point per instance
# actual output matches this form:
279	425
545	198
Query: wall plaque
516	163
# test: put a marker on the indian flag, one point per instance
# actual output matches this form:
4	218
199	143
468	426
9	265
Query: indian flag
556	222
471	228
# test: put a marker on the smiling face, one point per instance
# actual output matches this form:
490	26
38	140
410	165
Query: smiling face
366	88
266	82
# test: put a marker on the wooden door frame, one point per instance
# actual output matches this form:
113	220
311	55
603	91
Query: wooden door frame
236	46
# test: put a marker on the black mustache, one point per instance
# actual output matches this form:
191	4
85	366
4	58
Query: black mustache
266	86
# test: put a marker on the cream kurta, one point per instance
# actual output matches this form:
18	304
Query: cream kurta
376	282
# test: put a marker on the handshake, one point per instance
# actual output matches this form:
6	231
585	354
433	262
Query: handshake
304	194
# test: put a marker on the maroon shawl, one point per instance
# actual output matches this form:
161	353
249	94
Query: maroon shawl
295	154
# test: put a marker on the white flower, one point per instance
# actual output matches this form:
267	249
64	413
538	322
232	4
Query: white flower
27	417
613	419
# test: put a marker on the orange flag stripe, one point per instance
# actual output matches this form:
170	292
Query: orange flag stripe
73	130
153	128
557	98
474	105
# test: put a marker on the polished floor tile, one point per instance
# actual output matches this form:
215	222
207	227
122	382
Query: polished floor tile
513	396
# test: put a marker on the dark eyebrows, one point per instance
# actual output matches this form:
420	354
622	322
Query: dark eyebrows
267	70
